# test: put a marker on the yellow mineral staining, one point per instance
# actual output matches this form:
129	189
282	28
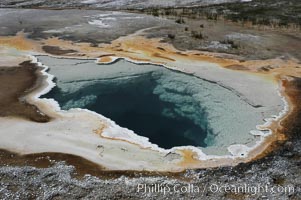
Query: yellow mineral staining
105	59
19	42
190	158
163	57
99	130
139	48
152	50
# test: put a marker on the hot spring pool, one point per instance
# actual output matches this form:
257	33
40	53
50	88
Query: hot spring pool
170	108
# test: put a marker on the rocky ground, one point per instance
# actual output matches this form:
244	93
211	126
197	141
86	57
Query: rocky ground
107	4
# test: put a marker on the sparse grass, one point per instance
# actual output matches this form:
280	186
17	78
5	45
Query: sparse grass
274	13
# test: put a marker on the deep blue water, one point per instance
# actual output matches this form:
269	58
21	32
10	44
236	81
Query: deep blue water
133	104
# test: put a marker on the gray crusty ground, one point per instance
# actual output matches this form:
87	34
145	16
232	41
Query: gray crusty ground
107	4
282	168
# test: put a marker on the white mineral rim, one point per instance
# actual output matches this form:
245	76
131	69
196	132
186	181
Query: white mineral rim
114	131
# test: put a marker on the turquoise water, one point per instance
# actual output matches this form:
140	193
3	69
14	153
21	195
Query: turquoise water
133	103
